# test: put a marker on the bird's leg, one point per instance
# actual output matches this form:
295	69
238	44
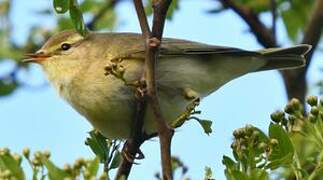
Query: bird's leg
190	110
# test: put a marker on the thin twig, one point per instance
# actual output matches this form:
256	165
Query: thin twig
134	142
152	44
262	33
314	30
273	6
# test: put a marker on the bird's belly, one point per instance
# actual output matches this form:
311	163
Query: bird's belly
114	116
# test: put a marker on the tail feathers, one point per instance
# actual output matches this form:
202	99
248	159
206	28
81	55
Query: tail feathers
285	58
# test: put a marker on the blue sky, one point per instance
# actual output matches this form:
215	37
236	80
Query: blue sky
39	119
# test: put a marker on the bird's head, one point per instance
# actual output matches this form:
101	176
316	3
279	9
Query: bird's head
63	55
60	47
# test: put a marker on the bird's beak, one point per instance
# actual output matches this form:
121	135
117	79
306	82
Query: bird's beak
35	57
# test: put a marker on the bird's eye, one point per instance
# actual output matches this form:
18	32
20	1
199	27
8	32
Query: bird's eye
65	46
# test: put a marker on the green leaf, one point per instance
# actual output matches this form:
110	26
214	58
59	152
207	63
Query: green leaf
228	162
7	162
206	125
93	166
54	172
77	18
235	175
208	173
116	160
296	16
280	162
61	6
7	86
98	145
258	174
174	6
283	152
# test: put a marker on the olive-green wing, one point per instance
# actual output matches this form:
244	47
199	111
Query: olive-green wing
277	58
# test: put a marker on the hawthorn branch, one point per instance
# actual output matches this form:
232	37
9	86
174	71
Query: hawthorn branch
152	43
264	35
314	29
273	6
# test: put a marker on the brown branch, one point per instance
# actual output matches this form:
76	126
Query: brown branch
152	43
264	35
313	30
133	144
273	9
165	132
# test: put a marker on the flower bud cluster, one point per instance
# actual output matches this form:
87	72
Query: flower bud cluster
248	139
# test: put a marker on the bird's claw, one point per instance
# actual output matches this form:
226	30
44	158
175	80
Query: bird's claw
129	157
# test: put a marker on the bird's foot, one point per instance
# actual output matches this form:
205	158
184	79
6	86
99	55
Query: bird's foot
190	110
130	157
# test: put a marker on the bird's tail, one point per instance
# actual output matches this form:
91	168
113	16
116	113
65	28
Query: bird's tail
285	58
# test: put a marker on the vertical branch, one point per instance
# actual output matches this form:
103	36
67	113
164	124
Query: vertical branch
273	6
152	44
152	41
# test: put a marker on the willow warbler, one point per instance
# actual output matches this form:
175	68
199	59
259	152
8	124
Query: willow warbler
186	71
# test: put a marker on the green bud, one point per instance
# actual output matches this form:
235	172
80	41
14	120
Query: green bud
262	145
26	152
255	133
38	155
289	108
236	133
6	174
17	157
4	151
312	118
67	168
292	119
103	176
314	110
273	142
87	174
295	103
312	100
234	145
79	163
68	178
249	129
36	162
47	154
277	116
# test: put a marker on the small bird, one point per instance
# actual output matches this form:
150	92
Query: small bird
93	74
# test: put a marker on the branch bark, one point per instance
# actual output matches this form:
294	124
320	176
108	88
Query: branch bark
152	41
262	33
